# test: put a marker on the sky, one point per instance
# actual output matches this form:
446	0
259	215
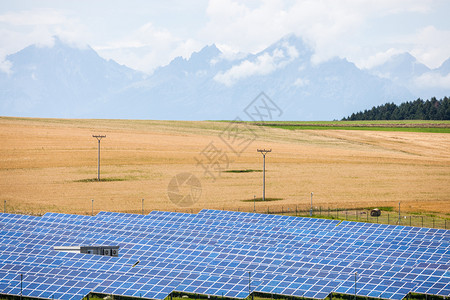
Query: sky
146	34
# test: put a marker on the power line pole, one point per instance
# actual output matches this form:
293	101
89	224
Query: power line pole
21	279
99	138
249	282
264	152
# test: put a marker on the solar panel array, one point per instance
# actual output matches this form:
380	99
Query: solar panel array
220	253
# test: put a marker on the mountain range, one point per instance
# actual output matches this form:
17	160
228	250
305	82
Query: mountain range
63	81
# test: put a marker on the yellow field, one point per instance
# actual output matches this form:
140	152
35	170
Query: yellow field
43	163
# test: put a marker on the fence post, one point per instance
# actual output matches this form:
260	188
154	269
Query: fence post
409	220
422	221
433	222
388	219
296	210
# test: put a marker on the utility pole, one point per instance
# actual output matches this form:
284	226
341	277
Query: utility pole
249	281
311	210
264	152
99	138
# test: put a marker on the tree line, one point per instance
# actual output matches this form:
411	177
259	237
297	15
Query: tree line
419	109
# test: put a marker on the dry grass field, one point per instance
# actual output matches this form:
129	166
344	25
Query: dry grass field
46	164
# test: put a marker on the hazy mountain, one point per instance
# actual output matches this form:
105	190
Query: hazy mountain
208	86
63	81
423	82
444	69
400	68
60	81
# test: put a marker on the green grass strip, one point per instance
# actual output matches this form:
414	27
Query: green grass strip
367	128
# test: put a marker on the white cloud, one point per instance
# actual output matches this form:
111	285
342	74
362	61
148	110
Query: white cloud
5	66
147	48
230	53
264	64
431	46
301	82
353	29
145	35
23	28
39	17
379	58
433	80
244	28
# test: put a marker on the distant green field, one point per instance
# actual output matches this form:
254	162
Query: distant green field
404	125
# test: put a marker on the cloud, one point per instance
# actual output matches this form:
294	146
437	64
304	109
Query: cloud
5	66
431	46
23	28
301	82
144	48
433	80
242	27
147	48
39	17
146	35
379	58
38	26
353	29
264	64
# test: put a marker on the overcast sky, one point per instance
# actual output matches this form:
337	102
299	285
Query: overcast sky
145	34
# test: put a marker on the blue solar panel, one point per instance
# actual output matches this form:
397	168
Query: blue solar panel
212	252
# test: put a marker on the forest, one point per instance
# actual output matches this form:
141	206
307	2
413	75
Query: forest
419	109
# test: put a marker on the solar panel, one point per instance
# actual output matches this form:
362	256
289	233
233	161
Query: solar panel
213	251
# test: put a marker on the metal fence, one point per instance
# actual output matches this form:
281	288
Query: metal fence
357	215
363	215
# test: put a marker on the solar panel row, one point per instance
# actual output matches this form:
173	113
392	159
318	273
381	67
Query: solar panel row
213	251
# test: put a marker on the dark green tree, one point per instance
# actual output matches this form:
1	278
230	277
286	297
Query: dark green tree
419	109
